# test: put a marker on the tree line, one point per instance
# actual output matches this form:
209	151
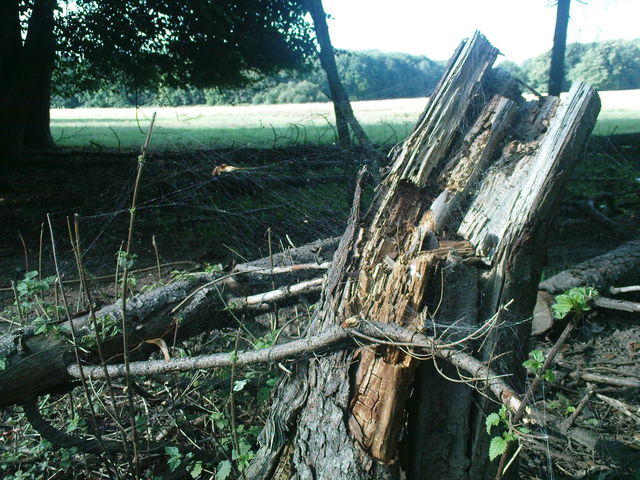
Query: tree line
367	75
606	65
371	75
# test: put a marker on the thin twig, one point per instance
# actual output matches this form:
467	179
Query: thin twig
125	274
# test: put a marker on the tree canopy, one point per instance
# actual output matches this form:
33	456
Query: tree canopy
368	75
201	43
607	65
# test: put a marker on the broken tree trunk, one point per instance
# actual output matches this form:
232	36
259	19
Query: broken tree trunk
454	233
36	364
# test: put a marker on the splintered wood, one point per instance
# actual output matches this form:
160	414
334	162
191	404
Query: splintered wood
479	167
455	231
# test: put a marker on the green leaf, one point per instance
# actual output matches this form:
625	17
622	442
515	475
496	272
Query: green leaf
537	356
492	420
503	413
575	301
196	471
224	470
549	375
524	430
3	363
570	409
592	421
175	457
497	447
239	385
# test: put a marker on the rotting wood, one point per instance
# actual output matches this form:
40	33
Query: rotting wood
482	165
617	266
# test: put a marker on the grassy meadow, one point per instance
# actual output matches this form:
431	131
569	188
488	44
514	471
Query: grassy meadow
386	121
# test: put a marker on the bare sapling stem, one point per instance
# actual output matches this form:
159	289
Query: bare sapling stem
97	328
575	319
125	275
76	350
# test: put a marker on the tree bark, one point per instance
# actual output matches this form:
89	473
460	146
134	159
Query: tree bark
620	266
342	106
40	47
37	364
556	71
451	237
26	77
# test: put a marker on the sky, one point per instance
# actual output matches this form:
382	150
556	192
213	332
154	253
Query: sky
518	28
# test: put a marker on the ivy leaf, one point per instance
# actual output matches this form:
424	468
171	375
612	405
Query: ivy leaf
497	447
492	420
224	470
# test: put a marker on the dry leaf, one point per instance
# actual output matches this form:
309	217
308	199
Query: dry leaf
163	346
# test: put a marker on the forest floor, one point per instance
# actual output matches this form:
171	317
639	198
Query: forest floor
290	196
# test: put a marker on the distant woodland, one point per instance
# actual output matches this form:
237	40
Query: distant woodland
370	75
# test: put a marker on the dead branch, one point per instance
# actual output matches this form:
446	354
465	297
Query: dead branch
333	339
620	265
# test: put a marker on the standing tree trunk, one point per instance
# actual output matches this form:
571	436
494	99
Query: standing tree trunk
556	71
40	46
341	104
454	234
26	77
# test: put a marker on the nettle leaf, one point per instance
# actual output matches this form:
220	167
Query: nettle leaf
224	470
196	471
503	413
537	356
549	376
492	420
497	447
575	300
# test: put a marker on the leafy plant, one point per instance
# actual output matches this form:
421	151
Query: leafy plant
576	301
499	443
535	364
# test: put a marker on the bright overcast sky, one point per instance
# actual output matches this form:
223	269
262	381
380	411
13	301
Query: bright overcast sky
519	28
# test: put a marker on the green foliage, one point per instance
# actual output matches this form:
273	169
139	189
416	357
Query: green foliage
370	75
163	42
499	443
223	470
535	364
607	65
125	260
575	301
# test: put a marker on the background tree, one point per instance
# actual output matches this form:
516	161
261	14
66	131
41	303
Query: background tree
142	43
556	73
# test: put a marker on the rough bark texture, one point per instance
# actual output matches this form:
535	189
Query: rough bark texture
37	364
465	202
615	268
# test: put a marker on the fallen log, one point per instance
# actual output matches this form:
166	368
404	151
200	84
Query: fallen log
619	266
37	364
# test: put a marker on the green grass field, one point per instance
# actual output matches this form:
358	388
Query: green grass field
386	121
